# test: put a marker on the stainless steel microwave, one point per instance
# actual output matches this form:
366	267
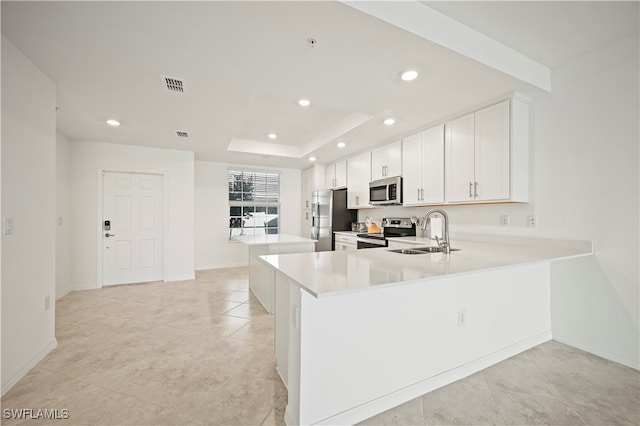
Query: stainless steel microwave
386	191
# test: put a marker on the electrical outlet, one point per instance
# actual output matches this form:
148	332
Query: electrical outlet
462	317
7	228
532	221
504	220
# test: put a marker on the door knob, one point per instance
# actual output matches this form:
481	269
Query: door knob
109	235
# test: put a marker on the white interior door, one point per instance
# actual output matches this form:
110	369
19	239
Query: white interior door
133	246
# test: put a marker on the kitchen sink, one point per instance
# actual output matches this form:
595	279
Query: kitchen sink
420	250
432	249
407	251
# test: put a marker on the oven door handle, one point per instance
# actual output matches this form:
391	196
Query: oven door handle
381	243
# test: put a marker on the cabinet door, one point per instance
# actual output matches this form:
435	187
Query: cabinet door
433	165
492	152
394	159
307	187
459	159
353	182
358	175
378	163
412	176
341	174
365	178
330	177
305	231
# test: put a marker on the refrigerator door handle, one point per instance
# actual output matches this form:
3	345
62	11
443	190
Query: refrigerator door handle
315	221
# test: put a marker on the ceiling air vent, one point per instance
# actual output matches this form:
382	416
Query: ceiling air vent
182	134
173	84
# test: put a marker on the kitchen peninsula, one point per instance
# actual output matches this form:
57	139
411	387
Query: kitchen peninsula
260	275
359	332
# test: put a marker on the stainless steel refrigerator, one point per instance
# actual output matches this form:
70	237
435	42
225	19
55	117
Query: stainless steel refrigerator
329	213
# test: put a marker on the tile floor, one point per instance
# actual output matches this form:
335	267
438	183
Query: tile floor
200	352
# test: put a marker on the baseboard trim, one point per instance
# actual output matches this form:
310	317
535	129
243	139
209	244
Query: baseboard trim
63	293
377	406
283	381
185	277
221	266
35	359
635	364
289	419
85	286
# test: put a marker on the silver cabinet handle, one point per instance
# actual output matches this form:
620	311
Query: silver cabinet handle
109	235
307	215
475	189
418	194
470	194
422	194
306	204
357	200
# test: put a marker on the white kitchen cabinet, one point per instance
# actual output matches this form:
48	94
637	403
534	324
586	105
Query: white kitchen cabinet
386	161
487	154
345	241
306	223
423	167
358	177
312	180
336	175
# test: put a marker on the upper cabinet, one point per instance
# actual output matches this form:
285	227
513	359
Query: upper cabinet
487	154
336	175
423	167
386	161
358	177
312	180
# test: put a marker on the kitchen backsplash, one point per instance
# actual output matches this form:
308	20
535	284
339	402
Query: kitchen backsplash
481	218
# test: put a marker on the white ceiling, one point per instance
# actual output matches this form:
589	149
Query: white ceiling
245	64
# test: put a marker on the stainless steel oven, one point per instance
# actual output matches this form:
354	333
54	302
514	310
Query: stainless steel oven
366	241
391	227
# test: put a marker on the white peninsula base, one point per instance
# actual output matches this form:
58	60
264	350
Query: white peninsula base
261	281
360	332
355	356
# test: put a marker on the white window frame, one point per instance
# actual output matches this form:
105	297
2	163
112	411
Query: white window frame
244	217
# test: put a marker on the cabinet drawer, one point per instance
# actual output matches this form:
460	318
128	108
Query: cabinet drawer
346	239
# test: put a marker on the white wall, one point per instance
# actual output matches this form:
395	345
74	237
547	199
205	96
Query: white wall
28	195
213	248
87	159
585	185
63	220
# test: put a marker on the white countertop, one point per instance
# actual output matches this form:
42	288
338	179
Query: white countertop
252	240
349	233
329	273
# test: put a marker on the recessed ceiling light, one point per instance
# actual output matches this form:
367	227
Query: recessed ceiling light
389	121
409	75
341	144
272	135
112	122
304	102
312	159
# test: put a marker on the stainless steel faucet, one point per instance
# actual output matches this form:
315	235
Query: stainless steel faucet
445	245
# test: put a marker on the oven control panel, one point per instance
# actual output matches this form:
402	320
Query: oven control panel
396	222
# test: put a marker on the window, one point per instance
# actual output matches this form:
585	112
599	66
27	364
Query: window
254	202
